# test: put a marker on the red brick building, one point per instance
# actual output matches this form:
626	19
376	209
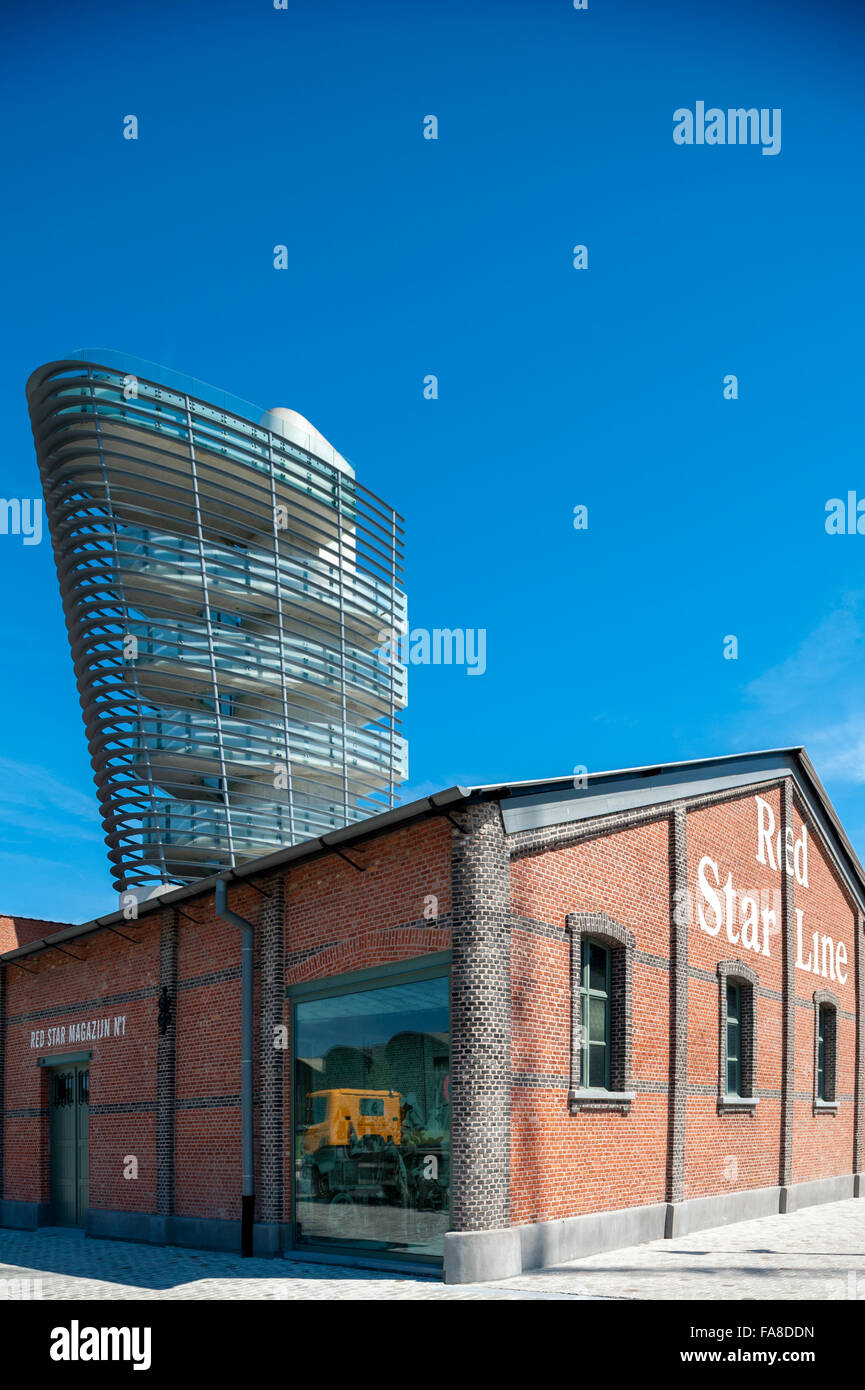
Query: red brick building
504	1025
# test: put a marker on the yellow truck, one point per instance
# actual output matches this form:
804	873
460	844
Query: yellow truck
364	1146
341	1118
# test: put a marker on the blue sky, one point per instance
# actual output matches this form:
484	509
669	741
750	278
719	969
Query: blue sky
557	387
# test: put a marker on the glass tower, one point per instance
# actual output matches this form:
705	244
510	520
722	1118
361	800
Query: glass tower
227	585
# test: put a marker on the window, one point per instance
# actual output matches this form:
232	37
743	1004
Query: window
371	1070
595	1015
64	1088
316	1110
737	1027
822	1024
601	956
825	1047
734	1039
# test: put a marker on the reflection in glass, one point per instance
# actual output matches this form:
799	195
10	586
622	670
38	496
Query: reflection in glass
372	1119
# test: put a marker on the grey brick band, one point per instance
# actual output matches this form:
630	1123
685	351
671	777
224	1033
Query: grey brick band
480	1022
271	1014
166	1054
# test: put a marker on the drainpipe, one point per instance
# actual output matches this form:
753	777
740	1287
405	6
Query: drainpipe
247	1206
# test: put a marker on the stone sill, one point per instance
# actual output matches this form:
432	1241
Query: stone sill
743	1105
600	1100
823	1105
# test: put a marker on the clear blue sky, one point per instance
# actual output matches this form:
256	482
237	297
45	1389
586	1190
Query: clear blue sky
557	386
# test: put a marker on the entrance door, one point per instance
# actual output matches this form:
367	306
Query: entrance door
70	1121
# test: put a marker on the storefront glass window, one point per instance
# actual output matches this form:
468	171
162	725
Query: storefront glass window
372	1119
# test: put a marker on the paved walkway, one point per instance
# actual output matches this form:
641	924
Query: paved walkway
817	1253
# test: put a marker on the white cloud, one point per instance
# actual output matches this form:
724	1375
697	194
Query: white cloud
816	697
28	791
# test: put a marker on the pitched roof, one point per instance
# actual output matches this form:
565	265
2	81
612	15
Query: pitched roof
542	803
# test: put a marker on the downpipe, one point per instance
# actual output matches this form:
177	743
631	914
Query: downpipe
247	1205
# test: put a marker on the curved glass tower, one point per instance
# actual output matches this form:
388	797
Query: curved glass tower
226	583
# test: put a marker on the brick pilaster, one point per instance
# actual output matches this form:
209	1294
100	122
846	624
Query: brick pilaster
481	1022
679	928
788	1020
2	1077
166	1051
859	1082
272	1054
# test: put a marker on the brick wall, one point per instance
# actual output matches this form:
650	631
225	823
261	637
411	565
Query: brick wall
563	1164
113	980
521	1152
335	919
823	1142
592	1160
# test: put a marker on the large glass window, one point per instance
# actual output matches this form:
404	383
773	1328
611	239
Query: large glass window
372	1119
595	1015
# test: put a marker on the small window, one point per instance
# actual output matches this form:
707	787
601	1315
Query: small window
316	1110
825	1047
734	1038
822	1021
371	1105
737	1033
595	1015
64	1093
601	954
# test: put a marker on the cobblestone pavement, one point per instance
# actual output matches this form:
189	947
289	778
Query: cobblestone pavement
816	1253
71	1266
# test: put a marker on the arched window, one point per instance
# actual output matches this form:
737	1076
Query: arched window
825	1047
737	1036
595	1015
734	1038
601	953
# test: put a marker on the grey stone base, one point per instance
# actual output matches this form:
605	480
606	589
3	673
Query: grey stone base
811	1194
554	1242
24	1216
199	1233
476	1256
471	1256
699	1213
124	1225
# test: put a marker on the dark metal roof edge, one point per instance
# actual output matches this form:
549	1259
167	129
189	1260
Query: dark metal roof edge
649	770
415	810
346	835
831	814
